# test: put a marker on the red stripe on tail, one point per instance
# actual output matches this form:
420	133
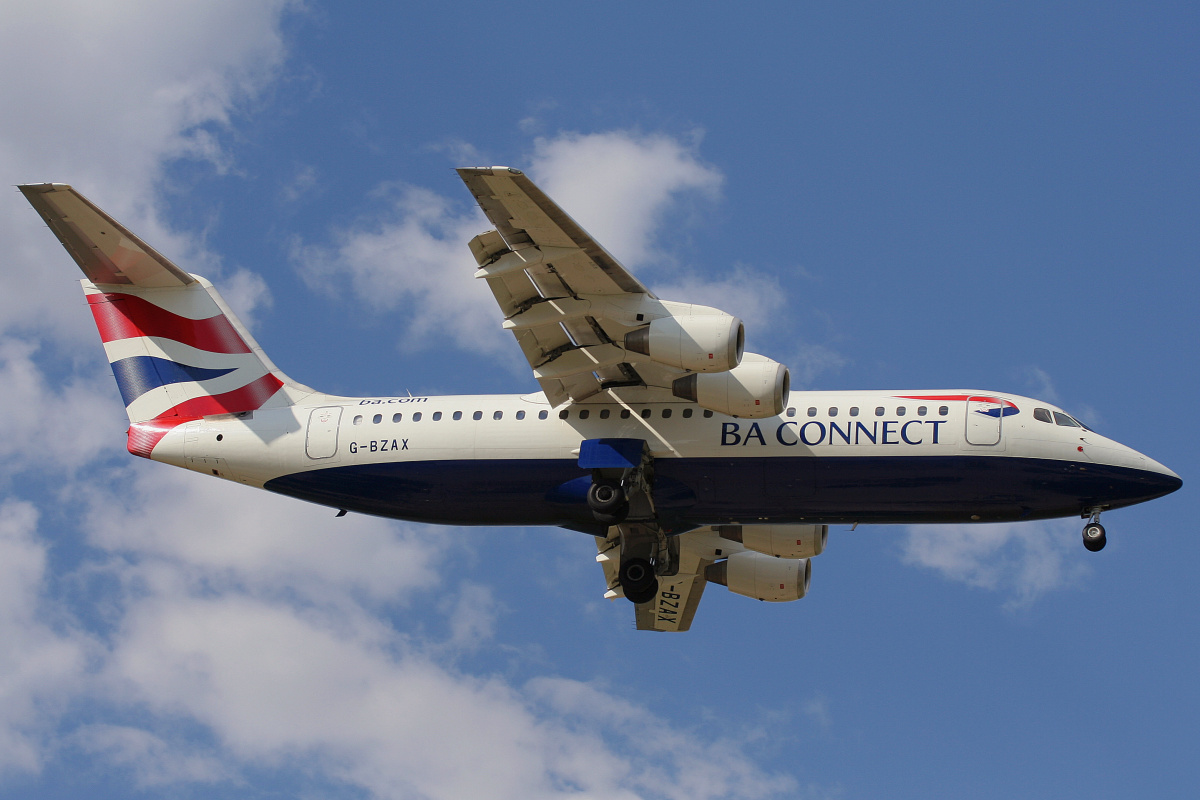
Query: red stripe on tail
247	398
143	436
124	316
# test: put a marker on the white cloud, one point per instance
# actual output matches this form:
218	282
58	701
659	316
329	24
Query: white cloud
102	96
230	537
1024	560
33	431
412	250
619	185
42	658
153	761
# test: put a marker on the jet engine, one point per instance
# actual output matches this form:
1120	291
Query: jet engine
781	541
756	388
762	576
706	340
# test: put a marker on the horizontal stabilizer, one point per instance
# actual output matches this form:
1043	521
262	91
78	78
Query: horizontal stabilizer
106	251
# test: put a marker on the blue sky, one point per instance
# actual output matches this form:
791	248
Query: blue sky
927	196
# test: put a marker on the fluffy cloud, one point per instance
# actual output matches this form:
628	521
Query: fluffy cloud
102	96
42	655
620	185
262	623
1025	560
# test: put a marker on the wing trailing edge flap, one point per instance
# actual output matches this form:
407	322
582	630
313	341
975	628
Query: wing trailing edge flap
557	288
674	607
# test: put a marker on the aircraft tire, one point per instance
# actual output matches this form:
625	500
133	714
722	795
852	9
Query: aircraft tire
605	497
638	580
614	518
1094	537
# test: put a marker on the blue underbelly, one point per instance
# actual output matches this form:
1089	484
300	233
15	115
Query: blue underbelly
689	492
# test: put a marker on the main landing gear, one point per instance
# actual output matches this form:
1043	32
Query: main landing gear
620	498
1093	532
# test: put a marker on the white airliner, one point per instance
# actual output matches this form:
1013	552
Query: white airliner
687	459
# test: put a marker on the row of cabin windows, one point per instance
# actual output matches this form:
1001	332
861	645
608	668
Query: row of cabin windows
1057	418
437	415
583	413
879	411
605	413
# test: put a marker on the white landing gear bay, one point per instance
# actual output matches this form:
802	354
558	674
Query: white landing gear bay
688	459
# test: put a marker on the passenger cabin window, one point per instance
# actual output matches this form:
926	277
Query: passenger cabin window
520	415
624	413
833	412
879	411
563	414
687	413
358	420
900	411
437	415
417	417
378	418
666	413
707	414
1067	422
943	411
646	413
1042	415
812	412
397	417
498	415
458	415
791	412
477	415
922	411
584	414
604	412
543	414
854	411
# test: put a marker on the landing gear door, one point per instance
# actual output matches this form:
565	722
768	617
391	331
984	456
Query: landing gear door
322	439
984	418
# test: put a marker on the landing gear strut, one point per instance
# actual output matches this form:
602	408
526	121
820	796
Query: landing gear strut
620	498
1093	533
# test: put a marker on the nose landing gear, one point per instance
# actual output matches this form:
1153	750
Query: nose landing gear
1093	532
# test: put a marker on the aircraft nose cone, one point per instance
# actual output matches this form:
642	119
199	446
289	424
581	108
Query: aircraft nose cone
1162	480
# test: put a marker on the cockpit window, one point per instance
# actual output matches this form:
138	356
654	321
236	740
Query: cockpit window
1042	415
1063	419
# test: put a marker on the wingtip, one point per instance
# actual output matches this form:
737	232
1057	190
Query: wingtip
41	188
488	171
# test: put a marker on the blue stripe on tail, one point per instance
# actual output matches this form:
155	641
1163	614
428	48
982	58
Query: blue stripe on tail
139	374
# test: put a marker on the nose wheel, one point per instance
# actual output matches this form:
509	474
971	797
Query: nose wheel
1093	533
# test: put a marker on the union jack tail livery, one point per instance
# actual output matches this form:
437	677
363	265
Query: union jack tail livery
177	351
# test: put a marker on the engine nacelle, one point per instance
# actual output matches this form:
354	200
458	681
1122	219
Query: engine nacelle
764	577
706	340
756	388
781	541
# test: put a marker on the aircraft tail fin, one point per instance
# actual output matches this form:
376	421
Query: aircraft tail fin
176	349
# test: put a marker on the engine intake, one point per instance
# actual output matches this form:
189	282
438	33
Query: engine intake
750	574
756	388
781	541
707	340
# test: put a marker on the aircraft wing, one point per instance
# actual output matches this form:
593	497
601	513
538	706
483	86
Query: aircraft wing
567	300
678	595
